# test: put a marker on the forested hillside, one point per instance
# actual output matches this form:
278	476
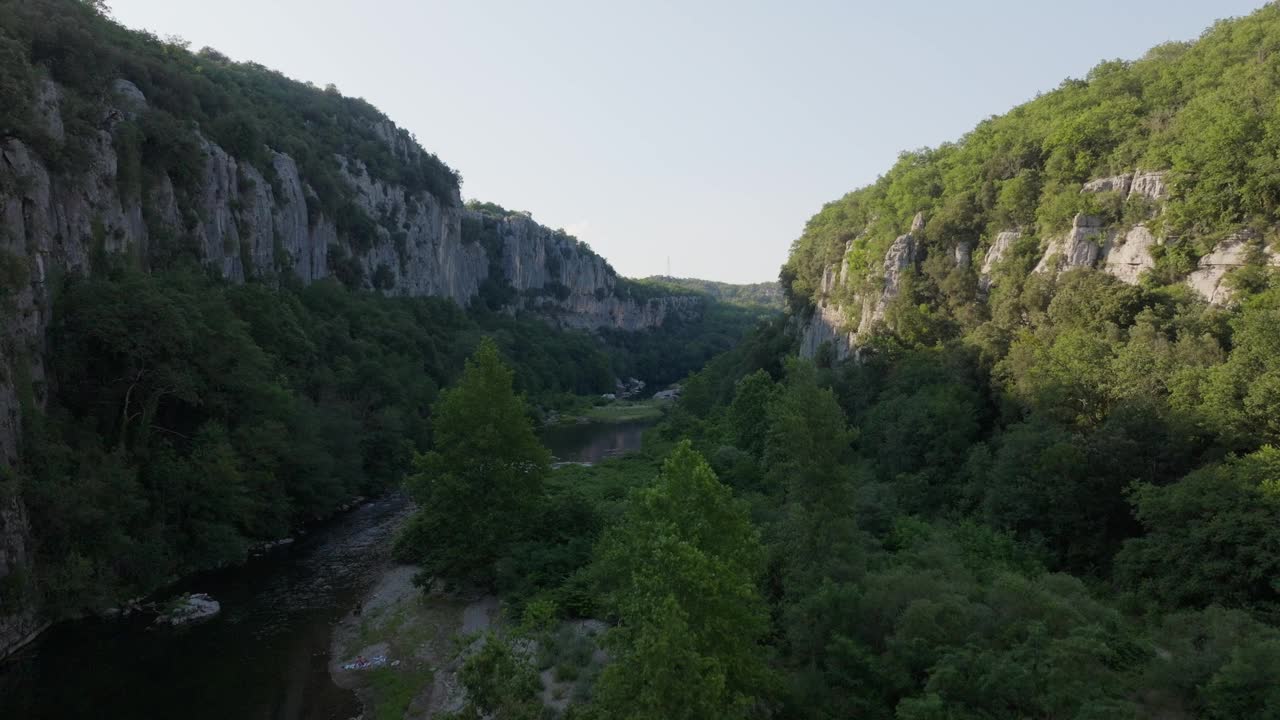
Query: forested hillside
767	294
1039	481
1202	111
1011	453
1052	476
228	300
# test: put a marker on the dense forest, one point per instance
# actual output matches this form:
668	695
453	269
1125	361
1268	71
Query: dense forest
1060	499
1203	111
192	418
1056	496
766	294
184	419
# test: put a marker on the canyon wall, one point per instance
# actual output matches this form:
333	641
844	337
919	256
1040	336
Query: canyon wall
843	316
248	222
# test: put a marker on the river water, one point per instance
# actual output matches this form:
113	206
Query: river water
266	656
591	443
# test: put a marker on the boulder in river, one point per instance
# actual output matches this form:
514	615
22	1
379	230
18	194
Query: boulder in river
190	608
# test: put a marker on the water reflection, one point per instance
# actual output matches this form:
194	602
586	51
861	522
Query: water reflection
264	657
591	443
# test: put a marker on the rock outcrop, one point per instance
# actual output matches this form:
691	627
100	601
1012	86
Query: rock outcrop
248	221
1079	247
188	609
999	247
1236	251
1128	256
842	319
19	621
1150	185
1207	278
832	324
1139	183
1117	183
557	276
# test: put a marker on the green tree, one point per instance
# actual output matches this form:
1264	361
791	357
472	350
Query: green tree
808	456
1212	537
679	573
501	683
484	479
748	414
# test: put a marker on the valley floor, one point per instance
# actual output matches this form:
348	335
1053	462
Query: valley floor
403	652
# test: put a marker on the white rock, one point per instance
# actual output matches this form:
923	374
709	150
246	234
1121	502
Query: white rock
917	223
130	99
1115	183
49	108
1080	247
827	325
189	609
1128	256
828	284
995	254
1149	184
1207	279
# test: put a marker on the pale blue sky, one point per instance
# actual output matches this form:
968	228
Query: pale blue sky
703	131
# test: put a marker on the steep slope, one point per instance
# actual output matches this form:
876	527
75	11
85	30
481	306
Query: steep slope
119	150
1159	171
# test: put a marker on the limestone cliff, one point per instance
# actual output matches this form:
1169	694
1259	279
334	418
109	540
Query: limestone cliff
833	322
1122	251
247	221
555	275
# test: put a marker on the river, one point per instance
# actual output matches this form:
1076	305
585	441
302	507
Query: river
265	657
591	442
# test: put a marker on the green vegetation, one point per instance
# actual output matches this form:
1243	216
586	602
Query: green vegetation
667	354
395	690
199	419
679	573
763	295
192	418
245	108
621	411
1058	500
475	489
500	683
1204	111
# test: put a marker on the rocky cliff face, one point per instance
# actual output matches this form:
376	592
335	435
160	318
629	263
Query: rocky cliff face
1124	252
555	275
252	222
19	621
832	323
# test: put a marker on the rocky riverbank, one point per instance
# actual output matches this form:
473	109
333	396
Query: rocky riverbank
402	652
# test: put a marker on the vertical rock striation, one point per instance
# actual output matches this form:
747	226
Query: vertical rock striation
252	222
843	316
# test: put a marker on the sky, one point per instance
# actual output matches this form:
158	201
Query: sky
696	135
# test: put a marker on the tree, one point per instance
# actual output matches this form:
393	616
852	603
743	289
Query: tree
484	478
1212	537
807	455
679	572
748	414
501	684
